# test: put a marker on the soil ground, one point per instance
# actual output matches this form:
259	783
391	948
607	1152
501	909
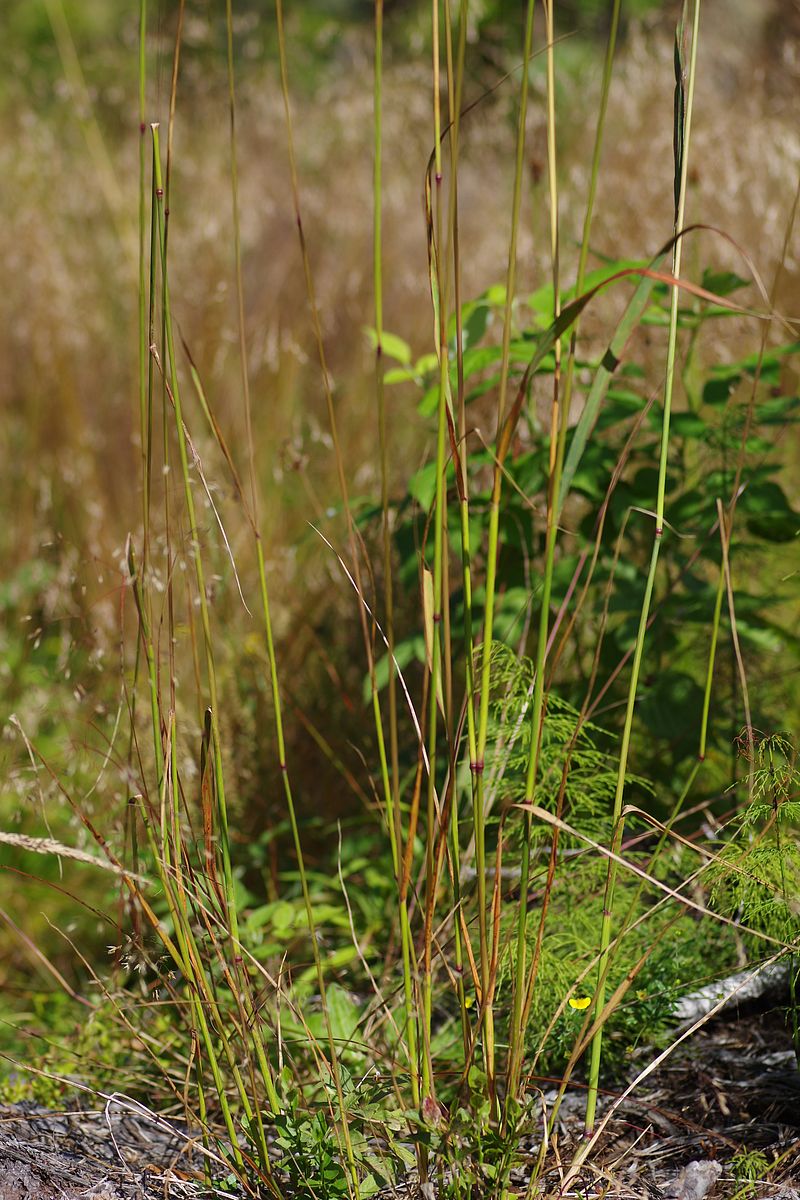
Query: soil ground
732	1088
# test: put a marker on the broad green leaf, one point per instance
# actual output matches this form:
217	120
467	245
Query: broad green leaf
391	345
723	283
422	486
621	404
474	320
770	515
407	651
426	363
602	379
670	708
400	375
688	425
344	1014
283	914
718	391
764	637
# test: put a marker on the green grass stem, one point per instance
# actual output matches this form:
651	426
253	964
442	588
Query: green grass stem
392	783
560	413
684	91
493	550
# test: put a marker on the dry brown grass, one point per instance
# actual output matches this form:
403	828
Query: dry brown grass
67	316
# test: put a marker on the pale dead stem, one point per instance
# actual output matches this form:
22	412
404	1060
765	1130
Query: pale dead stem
39	845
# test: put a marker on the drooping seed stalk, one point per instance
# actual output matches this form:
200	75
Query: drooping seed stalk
392	786
173	385
583	257
628	920
182	950
725	541
147	309
145	412
712	655
161	202
258	1041
147	294
492	556
166	851
274	679
192	964
352	541
516	1035
558	431
438	599
455	78
139	584
145	360
684	97
171	377
380	393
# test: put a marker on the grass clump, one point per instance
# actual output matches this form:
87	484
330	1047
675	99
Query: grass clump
552	644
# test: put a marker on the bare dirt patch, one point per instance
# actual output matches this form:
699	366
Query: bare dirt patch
731	1090
108	1154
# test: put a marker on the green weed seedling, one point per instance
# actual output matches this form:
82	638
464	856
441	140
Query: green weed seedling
749	1167
310	1154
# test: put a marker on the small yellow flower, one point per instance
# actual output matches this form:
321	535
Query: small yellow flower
580	1002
